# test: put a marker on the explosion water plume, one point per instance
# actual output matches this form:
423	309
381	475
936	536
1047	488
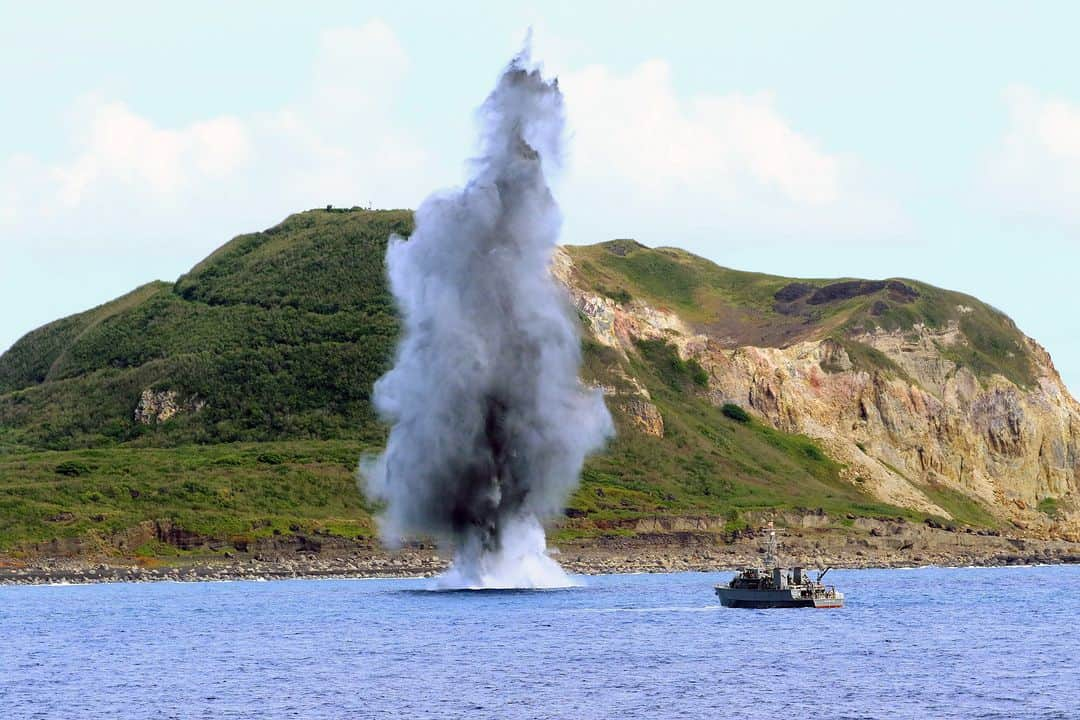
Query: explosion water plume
490	424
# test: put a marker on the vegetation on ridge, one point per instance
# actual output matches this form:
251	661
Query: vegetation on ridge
282	333
772	311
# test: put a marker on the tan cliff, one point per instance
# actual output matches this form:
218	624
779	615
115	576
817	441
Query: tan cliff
925	430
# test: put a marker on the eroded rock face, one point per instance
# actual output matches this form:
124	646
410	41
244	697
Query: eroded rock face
645	415
157	407
906	434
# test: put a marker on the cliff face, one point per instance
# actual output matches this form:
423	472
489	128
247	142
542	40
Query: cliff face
915	425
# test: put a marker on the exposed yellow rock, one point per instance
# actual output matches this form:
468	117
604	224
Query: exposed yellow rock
645	415
163	405
899	434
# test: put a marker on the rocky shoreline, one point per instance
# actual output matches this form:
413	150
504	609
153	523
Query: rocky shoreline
873	544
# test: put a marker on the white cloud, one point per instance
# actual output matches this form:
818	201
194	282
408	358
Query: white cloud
130	184
121	148
1035	171
644	162
655	161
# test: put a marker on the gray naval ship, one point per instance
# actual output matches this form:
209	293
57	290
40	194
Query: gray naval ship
774	587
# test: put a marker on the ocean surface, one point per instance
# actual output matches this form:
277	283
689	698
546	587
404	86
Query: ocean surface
926	643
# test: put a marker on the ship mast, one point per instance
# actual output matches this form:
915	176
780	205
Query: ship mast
770	549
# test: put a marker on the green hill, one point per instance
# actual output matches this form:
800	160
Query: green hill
266	352
285	330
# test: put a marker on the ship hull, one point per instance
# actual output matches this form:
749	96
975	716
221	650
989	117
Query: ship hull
772	599
827	603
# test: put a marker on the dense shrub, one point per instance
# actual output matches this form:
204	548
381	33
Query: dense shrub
735	412
673	370
72	468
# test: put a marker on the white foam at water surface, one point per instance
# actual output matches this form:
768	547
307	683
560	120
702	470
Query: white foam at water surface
522	562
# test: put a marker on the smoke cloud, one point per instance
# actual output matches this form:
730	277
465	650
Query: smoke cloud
490	424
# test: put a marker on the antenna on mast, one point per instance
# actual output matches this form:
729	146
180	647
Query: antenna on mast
770	549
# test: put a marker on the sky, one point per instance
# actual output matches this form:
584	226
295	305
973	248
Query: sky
935	141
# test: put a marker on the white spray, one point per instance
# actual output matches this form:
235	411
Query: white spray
490	424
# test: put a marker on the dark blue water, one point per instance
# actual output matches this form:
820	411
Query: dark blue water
930	643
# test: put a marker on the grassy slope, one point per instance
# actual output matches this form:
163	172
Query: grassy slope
35	357
232	492
283	332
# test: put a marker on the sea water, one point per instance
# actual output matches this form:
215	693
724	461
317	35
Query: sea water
926	643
